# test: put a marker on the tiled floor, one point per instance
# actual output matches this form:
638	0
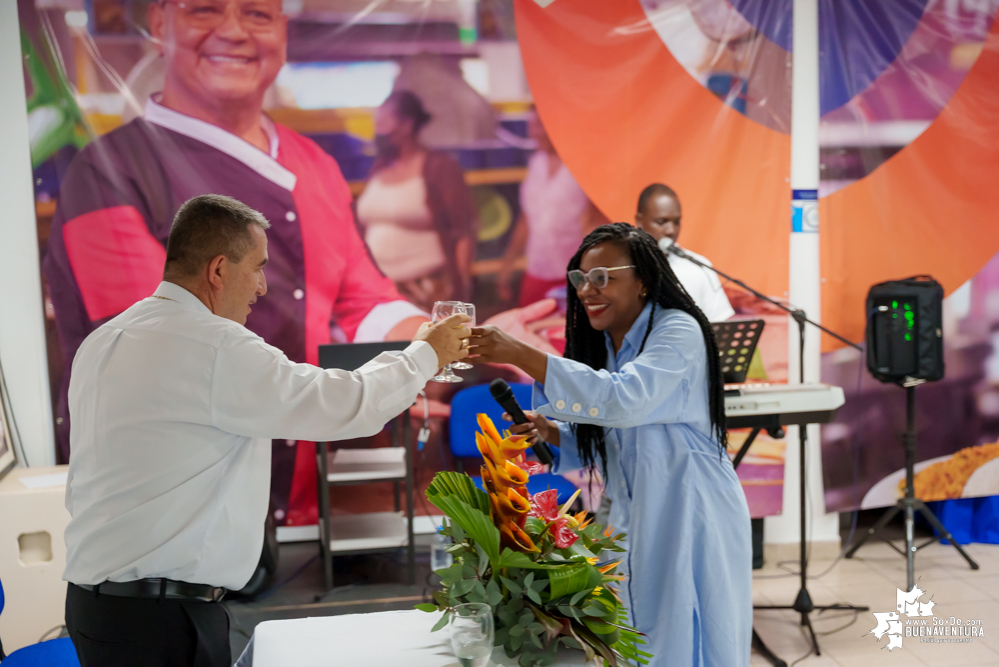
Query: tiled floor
871	578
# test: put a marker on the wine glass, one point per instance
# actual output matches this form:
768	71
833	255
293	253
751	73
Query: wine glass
470	311
472	634
442	311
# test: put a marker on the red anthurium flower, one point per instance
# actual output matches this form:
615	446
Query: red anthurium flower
564	536
531	467
544	505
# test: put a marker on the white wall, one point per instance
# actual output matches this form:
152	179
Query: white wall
804	290
22	331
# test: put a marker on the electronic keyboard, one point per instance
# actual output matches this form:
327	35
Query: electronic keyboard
773	405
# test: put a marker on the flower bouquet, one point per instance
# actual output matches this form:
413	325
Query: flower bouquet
530	561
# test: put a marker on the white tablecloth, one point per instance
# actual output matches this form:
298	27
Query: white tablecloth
363	640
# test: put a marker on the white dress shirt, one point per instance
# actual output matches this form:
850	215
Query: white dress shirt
173	409
702	285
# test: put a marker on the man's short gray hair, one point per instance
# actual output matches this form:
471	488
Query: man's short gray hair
208	226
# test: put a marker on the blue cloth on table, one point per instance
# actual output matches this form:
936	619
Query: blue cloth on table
969	519
689	548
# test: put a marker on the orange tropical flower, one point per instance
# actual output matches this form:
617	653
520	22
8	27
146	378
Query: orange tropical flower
505	481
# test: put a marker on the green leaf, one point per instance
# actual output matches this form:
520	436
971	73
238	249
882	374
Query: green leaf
477	524
427	607
441	623
528	579
578	549
539	584
516	630
536	641
579	596
453	572
512	586
569	579
526	618
493	591
516	641
463	587
501	636
483	560
533	595
534	526
571	643
457	485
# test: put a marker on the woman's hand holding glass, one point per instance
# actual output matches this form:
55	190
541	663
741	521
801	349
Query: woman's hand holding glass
470	311
491	345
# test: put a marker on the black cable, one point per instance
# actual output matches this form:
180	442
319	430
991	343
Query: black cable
49	632
233	624
278	586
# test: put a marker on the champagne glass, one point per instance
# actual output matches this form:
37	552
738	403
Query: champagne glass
470	311
442	311
472	634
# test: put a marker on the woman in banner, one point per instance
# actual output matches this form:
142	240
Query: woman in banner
640	389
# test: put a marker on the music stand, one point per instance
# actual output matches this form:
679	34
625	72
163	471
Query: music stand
737	341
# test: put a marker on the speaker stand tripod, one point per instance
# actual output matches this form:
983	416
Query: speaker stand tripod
909	504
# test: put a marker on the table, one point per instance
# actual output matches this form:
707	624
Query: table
364	640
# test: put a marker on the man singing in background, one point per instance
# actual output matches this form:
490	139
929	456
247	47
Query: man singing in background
206	133
173	403
659	214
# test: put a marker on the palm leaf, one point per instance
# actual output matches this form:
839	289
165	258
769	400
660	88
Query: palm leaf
476	525
569	579
455	484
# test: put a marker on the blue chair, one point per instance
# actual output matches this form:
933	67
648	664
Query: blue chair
53	653
469	402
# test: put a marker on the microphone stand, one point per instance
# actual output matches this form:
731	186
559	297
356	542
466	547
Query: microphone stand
803	602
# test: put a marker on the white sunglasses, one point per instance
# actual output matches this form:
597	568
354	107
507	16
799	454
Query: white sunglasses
598	276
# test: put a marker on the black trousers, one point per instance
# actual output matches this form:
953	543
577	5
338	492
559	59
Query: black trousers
110	631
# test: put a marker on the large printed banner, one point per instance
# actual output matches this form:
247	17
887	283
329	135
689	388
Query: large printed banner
403	162
696	93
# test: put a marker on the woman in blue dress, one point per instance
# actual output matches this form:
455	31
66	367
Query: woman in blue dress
640	392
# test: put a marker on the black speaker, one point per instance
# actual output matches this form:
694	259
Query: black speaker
905	330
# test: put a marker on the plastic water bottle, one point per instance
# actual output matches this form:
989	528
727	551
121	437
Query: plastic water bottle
439	557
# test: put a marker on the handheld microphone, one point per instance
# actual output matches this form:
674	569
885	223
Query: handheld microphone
669	246
504	396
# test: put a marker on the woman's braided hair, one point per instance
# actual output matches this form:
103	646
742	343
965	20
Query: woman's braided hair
587	345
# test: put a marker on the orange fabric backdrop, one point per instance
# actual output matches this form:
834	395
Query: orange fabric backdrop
623	113
931	208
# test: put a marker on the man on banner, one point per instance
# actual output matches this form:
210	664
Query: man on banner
206	133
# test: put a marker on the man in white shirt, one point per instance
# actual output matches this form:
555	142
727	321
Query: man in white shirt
659	214
174	403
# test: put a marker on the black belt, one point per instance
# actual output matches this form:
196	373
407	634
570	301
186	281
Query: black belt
165	589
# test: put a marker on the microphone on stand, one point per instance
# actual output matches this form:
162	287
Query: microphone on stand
504	396
669	246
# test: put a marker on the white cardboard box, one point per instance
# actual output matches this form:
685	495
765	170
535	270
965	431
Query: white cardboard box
33	518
